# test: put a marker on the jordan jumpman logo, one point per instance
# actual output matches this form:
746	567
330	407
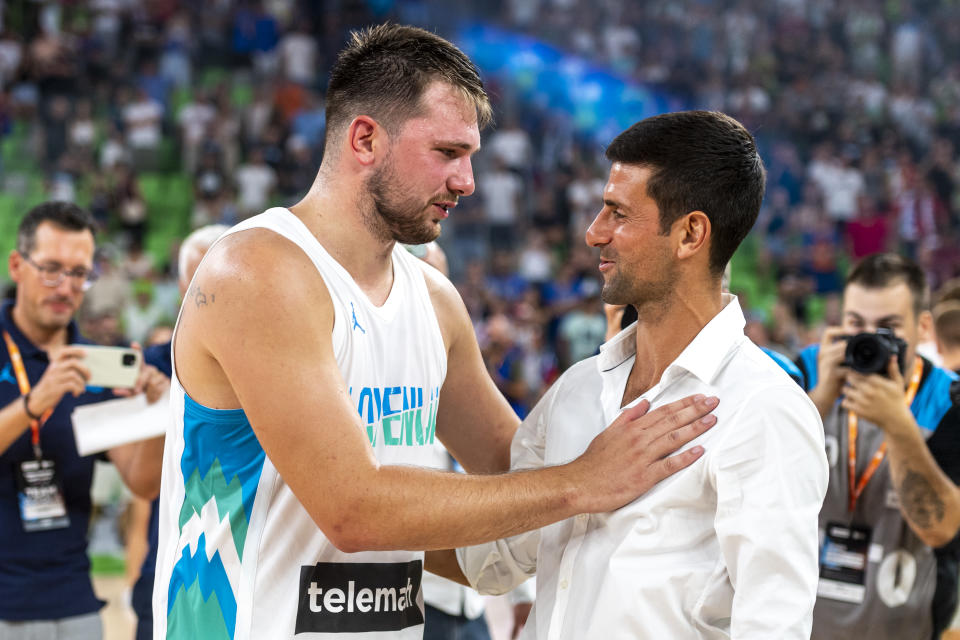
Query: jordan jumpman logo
356	325
6	375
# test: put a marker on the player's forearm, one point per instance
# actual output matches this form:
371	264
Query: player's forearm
444	564
398	507
929	501
139	465
13	422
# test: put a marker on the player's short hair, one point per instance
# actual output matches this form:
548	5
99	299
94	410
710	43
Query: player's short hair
700	161
881	270
63	215
384	71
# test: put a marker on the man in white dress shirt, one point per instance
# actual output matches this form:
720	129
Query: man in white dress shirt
728	547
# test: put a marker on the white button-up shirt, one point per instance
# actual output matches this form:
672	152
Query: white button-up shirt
726	548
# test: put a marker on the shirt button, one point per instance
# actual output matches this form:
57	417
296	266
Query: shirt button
564	584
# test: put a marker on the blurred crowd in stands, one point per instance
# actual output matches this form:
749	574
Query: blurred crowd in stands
162	116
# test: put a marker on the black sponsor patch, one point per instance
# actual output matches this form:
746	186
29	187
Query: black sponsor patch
352	597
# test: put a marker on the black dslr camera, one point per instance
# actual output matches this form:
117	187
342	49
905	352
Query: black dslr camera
869	352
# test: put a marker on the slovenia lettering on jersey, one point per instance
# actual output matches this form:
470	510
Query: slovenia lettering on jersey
400	416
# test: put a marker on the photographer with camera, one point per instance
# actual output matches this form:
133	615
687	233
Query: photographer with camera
892	434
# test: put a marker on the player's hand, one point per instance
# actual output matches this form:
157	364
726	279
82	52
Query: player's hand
631	455
65	374
879	399
830	373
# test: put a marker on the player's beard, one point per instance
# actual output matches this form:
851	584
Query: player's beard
394	216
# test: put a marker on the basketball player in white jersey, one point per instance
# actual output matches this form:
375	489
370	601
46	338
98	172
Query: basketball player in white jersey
315	362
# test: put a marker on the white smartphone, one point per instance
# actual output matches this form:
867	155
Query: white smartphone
111	367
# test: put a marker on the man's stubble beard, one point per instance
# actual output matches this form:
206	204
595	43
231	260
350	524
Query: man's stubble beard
391	216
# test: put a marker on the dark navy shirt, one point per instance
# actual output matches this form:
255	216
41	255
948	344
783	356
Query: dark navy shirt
46	574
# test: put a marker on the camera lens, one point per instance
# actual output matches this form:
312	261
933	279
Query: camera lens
867	353
128	360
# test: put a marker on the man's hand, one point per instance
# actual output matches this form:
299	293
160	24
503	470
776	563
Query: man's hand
66	374
830	374
630	456
150	380
879	399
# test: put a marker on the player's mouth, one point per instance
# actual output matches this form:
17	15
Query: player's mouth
443	208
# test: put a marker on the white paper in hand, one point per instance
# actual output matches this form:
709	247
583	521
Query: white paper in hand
104	425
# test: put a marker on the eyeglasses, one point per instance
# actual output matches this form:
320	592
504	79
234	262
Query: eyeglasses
52	275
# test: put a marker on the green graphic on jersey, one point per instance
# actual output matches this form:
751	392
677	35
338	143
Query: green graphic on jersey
228	498
193	618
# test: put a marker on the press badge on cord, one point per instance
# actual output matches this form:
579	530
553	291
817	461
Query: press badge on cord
40	496
843	563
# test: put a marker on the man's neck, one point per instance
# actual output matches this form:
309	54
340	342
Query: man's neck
663	334
40	337
334	217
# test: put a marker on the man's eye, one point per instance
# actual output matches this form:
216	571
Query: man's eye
450	153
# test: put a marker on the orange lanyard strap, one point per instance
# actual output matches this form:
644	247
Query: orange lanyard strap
856	488
24	383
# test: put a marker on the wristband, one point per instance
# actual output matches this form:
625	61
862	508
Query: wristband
26	406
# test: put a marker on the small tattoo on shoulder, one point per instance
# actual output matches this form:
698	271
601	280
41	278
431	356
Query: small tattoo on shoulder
200	298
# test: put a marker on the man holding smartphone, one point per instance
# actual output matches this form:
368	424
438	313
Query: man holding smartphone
45	589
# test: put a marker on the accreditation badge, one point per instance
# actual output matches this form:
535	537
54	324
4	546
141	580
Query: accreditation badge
40	496
843	563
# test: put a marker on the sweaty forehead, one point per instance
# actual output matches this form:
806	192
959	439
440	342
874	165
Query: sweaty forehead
448	116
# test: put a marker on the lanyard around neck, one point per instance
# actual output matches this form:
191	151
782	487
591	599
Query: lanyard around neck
23	382
856	488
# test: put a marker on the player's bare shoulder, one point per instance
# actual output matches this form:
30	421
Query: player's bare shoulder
253	274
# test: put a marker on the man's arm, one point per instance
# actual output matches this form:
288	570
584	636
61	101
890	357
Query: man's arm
65	374
929	500
766	521
267	324
474	420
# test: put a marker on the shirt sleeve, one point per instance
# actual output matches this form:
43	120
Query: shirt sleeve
494	568
771	477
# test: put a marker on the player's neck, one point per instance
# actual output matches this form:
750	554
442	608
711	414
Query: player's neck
664	332
951	358
40	337
331	215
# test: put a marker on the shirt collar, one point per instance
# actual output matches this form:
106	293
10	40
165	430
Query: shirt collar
27	348
702	357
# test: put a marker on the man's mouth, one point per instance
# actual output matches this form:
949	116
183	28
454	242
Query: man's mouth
444	208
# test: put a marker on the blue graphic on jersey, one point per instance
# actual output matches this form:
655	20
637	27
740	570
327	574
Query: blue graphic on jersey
211	578
7	375
224	436
398	414
356	325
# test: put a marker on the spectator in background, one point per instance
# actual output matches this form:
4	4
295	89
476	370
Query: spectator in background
255	182
946	325
45	589
501	192
142	120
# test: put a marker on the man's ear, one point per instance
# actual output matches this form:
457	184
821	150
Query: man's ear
925	326
14	265
693	232
366	139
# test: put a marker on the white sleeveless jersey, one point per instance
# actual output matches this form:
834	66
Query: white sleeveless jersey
239	557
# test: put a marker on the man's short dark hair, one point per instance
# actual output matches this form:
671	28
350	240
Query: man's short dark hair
384	71
700	161
64	215
881	270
